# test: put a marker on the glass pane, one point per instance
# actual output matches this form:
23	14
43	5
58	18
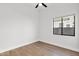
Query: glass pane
68	25
57	25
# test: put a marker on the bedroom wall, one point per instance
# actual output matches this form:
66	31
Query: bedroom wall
18	25
46	25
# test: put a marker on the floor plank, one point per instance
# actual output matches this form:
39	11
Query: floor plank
40	49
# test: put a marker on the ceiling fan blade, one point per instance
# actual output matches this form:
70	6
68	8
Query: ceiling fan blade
36	5
44	5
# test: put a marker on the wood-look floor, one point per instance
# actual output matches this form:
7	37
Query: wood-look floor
40	49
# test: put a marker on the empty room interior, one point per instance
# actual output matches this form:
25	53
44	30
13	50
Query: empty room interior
39	29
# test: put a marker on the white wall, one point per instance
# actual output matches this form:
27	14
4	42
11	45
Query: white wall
46	25
18	25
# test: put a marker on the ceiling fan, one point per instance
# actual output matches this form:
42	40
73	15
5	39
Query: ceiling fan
41	4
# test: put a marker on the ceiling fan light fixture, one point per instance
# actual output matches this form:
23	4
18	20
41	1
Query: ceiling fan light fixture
40	4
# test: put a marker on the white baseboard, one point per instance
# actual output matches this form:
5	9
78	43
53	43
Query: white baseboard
11	48
7	49
73	49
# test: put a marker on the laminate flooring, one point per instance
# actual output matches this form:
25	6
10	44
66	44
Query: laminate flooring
40	49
